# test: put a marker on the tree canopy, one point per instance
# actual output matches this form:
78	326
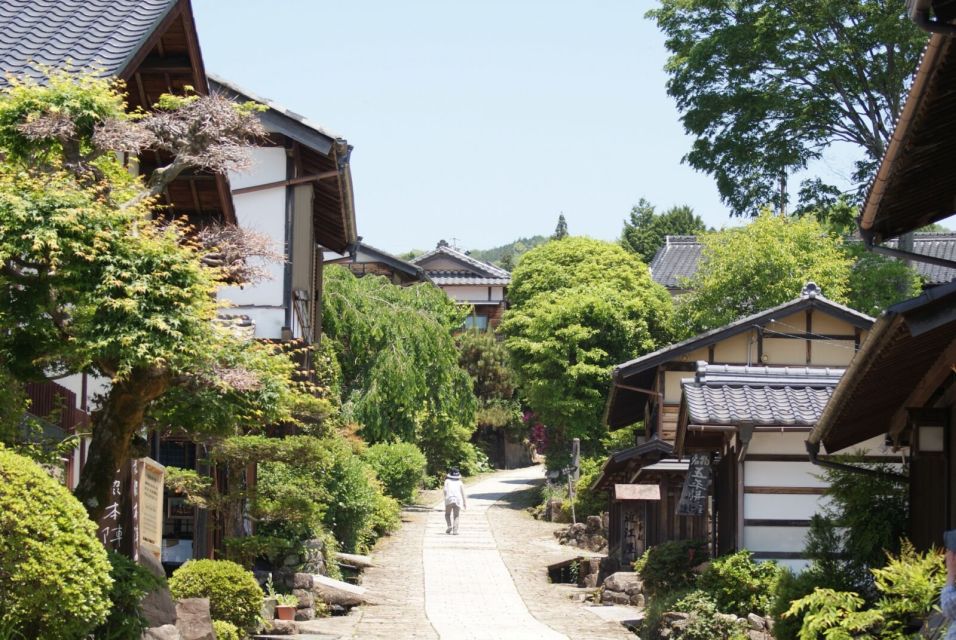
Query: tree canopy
646	230
561	229
745	270
767	87
400	372
578	307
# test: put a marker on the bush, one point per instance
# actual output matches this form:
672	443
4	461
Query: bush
400	466
739	585
54	573
131	582
705	623
790	587
587	502
668	565
225	630
650	626
234	595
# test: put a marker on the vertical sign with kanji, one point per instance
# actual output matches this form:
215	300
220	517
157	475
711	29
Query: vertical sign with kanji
693	498
133	519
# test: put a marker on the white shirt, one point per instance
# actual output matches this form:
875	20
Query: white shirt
454	493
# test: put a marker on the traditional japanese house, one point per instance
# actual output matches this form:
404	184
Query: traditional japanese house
365	259
469	282
807	332
902	384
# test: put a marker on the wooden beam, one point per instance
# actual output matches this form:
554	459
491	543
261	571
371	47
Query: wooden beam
925	388
151	42
287	183
169	64
195	192
795	491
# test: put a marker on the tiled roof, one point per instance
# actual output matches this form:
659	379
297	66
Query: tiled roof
99	33
778	396
473	272
676	260
680	255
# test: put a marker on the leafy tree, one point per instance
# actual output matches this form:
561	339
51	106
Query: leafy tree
767	87
561	230
401	379
91	281
646	231
579	306
499	255
877	282
745	270
486	360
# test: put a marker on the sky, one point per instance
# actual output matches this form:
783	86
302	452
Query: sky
473	122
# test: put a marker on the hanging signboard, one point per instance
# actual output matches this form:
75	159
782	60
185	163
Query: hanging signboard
693	497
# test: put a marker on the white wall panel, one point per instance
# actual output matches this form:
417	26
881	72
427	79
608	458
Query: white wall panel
761	506
775	538
269	322
781	442
782	474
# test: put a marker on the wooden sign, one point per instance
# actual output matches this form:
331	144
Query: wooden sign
693	497
133	519
637	492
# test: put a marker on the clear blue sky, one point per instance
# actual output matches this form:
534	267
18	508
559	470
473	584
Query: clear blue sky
479	121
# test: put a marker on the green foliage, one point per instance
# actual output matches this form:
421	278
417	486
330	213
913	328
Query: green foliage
647	230
651	626
745	270
246	550
485	359
764	88
131	582
910	584
561	229
793	586
669	565
739	585
836	615
401	378
588	502
579	306
234	595
845	539
877	282
225	630
54	573
507	255
705	623
400	466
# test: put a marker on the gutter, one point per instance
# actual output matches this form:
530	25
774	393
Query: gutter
813	450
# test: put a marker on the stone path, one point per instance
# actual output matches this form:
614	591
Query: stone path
489	582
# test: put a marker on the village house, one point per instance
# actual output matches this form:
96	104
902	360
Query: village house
744	396
469	282
902	384
365	259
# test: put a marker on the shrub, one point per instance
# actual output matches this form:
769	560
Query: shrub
793	586
739	585
587	502
650	626
668	566
400	466
705	623
54	573
130	583
225	630
234	595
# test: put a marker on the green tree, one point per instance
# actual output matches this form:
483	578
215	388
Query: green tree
766	87
646	231
877	282
745	270
486	360
579	306
561	230
91	281
401	379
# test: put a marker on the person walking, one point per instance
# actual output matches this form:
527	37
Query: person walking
454	500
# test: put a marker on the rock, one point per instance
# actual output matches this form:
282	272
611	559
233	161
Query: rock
193	620
756	622
307	613
164	632
593	524
354	560
338	592
726	617
268	610
753	634
702	567
637	600
615	597
283	628
303	581
306	599
590	581
577	530
624	580
670	617
159	608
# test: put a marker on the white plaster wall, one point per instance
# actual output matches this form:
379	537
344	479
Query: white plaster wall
463	293
672	388
764	506
269	321
783	474
759	539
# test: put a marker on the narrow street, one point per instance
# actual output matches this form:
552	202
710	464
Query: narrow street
489	582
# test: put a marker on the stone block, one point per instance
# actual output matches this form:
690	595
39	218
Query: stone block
615	597
306	599
755	622
159	608
593	524
303	581
193	620
283	628
624	580
308	613
637	600
164	632
268	611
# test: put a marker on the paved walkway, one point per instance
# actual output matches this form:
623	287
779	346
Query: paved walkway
489	582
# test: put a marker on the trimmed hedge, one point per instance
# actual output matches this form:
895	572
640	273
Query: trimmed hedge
234	595
54	573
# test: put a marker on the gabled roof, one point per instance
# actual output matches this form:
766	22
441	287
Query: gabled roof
363	252
914	185
616	463
680	257
625	406
324	159
89	33
911	348
676	260
777	396
472	271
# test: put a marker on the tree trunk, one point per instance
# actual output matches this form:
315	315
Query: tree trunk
114	426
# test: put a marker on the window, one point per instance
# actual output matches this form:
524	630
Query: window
479	323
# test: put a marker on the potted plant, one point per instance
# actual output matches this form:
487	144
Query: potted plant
285	606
